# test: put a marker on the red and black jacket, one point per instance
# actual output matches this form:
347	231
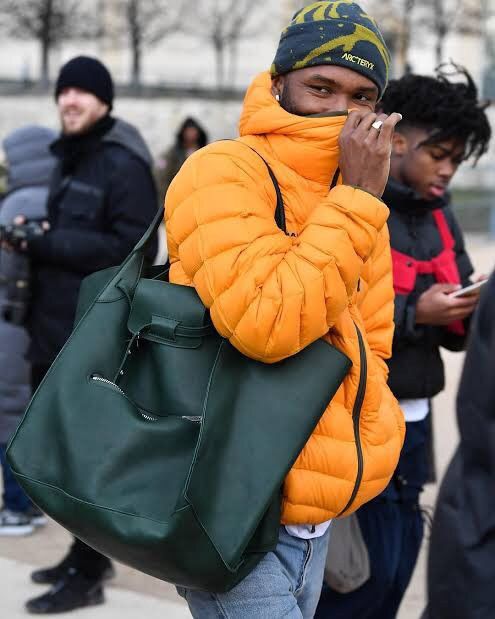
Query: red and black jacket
427	248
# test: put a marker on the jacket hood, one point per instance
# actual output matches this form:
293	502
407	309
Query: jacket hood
30	161
129	137
28	201
308	145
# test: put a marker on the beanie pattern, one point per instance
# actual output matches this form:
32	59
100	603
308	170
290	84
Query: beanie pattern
337	33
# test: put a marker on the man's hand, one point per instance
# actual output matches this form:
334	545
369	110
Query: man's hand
436	307
365	151
17	240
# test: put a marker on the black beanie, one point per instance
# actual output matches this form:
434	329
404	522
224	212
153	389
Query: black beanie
88	74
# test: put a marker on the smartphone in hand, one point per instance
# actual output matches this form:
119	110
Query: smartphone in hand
468	290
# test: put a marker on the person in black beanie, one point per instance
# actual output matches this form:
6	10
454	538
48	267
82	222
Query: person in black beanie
102	199
89	75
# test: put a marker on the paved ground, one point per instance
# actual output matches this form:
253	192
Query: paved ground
132	593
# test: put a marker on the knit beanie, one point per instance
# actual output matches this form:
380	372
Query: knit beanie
337	33
88	74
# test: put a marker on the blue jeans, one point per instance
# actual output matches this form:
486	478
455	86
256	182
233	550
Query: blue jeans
286	583
14	497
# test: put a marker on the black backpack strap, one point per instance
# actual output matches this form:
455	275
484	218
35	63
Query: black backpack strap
280	209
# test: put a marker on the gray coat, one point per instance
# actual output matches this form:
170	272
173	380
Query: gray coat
30	166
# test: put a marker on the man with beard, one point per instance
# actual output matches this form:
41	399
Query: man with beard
102	199
313	120
443	124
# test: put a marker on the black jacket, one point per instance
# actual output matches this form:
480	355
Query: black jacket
461	563
416	368
102	199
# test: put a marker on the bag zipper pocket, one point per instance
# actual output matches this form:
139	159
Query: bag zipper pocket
109	383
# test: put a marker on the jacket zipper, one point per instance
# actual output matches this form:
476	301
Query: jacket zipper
356	416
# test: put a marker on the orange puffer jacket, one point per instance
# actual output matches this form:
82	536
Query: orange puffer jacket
272	294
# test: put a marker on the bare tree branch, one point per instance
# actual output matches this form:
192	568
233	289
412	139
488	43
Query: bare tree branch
223	24
444	17
146	23
396	20
399	19
48	22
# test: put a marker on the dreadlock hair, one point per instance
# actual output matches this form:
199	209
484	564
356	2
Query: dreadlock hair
447	110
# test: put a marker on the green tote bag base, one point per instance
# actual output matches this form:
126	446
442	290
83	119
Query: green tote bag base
156	442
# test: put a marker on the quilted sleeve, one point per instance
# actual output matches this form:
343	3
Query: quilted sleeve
269	294
377	307
377	311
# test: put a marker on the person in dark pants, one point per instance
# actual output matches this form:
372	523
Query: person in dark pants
102	199
443	125
461	566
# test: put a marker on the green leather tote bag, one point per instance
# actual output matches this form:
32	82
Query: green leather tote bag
156	442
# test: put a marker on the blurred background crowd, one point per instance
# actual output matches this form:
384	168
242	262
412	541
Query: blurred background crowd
181	70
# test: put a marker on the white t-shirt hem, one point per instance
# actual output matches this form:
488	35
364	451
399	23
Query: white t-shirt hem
415	410
308	531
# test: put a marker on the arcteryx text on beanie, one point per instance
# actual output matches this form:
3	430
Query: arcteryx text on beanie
88	74
337	33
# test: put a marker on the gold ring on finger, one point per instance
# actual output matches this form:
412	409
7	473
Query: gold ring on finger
377	124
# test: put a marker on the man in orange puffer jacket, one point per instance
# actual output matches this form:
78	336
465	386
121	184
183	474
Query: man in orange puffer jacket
271	294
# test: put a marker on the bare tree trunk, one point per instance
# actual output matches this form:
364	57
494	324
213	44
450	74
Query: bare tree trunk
45	41
403	49
135	36
45	62
220	63
136	66
234	57
439	45
405	36
443	23
438	52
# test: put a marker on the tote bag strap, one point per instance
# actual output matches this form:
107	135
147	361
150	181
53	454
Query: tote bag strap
150	232
279	210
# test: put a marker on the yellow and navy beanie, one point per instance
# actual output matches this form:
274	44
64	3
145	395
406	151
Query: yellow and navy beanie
338	33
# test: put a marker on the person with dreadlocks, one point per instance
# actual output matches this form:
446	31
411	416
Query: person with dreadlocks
443	124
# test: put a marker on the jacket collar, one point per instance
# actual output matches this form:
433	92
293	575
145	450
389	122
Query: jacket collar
71	149
307	145
398	197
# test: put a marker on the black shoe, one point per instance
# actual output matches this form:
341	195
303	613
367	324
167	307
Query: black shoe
51	575
73	591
